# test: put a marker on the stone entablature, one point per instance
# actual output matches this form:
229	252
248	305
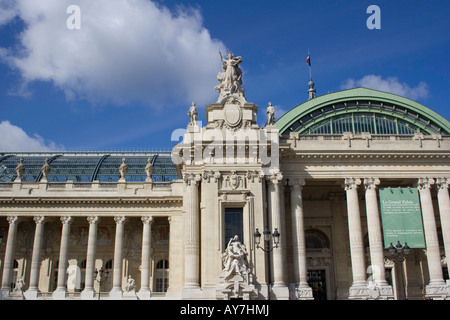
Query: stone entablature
348	142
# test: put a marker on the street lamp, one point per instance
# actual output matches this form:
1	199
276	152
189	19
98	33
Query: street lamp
267	237
399	254
103	276
267	249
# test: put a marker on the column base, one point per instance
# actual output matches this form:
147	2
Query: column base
380	291
59	294
88	294
279	293
438	291
116	294
31	294
300	292
191	293
4	294
144	294
359	291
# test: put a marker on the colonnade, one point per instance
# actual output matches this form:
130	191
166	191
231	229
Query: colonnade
88	292
359	287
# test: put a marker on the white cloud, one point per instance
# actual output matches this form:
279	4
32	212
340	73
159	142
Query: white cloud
13	139
125	51
390	84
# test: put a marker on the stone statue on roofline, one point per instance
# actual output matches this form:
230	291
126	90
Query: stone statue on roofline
192	113
123	169
20	169
149	169
45	170
231	77
270	115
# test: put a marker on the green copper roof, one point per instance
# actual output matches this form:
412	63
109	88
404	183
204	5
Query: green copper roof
344	109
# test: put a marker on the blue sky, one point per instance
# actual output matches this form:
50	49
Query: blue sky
126	79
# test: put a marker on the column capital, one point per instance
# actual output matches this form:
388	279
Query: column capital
39	219
442	183
424	183
66	219
12	219
296	184
351	183
191	179
371	183
147	219
119	219
93	219
275	178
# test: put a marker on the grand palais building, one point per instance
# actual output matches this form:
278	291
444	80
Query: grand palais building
343	197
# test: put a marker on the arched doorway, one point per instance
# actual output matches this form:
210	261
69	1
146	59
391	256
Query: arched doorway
318	262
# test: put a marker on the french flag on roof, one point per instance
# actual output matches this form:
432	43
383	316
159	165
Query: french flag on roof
308	60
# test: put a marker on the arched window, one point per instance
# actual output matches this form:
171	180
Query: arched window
83	274
108	283
55	276
162	276
316	239
109	265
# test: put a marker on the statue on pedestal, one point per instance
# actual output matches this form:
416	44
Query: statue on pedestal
234	258
236	279
231	77
192	113
123	169
45	170
149	169
20	169
270	115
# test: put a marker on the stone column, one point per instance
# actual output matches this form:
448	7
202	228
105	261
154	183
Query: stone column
356	238
303	290
8	262
431	238
144	292
277	253
33	288
192	246
116	291
444	211
60	292
88	292
376	238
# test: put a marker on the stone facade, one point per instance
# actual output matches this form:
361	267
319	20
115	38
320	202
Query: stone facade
144	240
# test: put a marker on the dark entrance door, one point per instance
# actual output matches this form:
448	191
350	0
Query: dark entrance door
317	281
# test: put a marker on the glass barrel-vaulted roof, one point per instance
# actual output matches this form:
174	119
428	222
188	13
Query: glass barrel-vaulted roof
88	167
362	110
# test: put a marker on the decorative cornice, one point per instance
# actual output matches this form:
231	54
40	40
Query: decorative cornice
104	201
292	154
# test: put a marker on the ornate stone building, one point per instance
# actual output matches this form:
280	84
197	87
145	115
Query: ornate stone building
191	224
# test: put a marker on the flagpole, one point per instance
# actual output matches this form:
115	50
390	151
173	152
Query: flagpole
309	64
